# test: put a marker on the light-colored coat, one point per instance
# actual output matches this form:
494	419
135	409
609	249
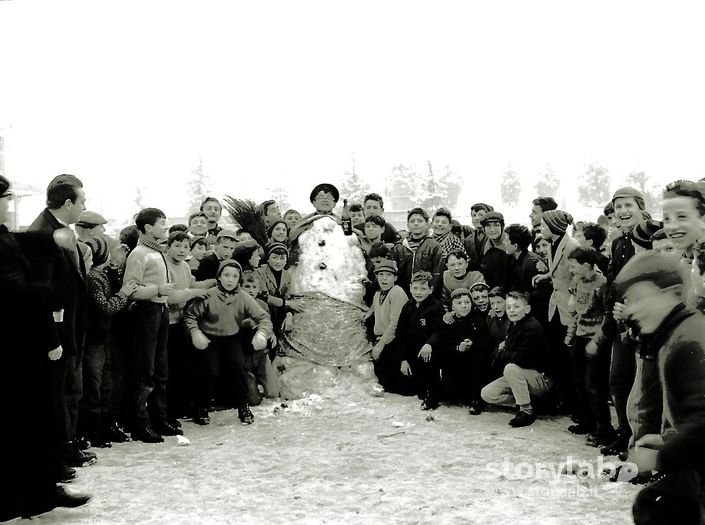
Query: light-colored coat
560	277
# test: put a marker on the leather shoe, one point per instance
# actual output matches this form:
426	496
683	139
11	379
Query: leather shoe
116	434
75	457
146	435
64	499
476	408
167	429
66	474
522	419
201	417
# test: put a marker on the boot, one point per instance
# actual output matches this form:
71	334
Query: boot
245	415
116	434
167	429
522	419
146	435
619	445
201	417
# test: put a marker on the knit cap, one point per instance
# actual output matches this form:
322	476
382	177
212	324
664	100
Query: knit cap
628	191
644	230
458	292
386	265
659	268
557	221
480	287
4	186
276	246
492	216
228	262
99	248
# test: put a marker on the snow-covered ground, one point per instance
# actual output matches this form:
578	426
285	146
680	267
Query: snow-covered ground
346	455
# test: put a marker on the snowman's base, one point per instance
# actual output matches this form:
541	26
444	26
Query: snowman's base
300	378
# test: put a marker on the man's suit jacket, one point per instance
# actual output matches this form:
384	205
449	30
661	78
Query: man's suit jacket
66	272
560	277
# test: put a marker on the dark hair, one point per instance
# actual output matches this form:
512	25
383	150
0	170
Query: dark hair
443	212
374	197
498	291
266	205
481	206
129	236
196	214
519	296
608	209
422	277
456	229
659	235
148	216
545	203
376	219
200	240
60	188
379	249
210	199
458	254
273	225
250	276
520	235
595	233
584	255
178	228
686	188
417	211
355	207
177	236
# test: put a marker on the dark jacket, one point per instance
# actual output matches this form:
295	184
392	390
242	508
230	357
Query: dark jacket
525	345
681	366
497	328
428	257
475	248
472	327
208	268
64	270
27	448
417	323
498	267
390	234
527	266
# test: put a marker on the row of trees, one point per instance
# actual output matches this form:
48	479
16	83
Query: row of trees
407	186
593	187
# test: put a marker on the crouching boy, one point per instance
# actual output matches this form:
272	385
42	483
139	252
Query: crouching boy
214	324
419	319
465	346
522	358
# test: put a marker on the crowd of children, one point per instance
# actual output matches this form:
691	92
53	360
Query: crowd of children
164	322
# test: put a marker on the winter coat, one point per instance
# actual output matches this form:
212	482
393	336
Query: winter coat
417	323
428	257
560	278
525	346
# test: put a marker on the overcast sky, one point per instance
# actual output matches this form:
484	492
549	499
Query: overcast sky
130	93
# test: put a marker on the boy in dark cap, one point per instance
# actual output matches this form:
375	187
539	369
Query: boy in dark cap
653	287
419	319
275	280
105	301
497	265
464	347
475	238
387	305
628	204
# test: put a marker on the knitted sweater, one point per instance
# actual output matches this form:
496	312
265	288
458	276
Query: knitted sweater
146	266
220	314
387	313
103	305
588	301
450	283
